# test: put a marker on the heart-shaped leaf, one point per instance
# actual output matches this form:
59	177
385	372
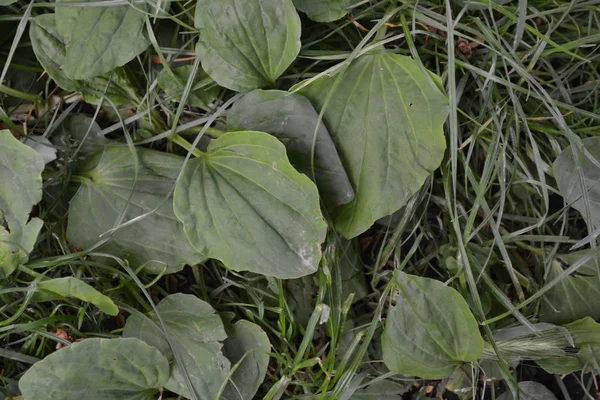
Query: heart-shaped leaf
248	345
102	39
293	120
323	10
430	331
578	178
244	204
386	118
196	331
246	45
54	289
21	176
98	369
107	182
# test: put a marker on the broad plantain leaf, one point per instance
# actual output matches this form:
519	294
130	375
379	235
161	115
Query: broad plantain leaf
567	169
103	38
196	332
246	45
21	176
67	17
292	119
529	390
245	205
575	296
430	331
248	345
55	289
174	88
98	369
386	119
107	181
324	10
586	356
49	47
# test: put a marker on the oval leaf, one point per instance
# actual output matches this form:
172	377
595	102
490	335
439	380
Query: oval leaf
430	331
196	331
245	205
577	295
323	10
104	38
98	369
567	169
157	239
248	345
386	118
586	337
54	289
21	176
293	120
246	45
49	47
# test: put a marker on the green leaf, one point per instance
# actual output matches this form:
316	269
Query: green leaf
196	332
68	17
55	289
98	369
21	176
567	168
49	47
292	119
249	346
103	38
244	204
430	331
174	88
382	390
575	296
352	270
107	181
529	390
324	10
386	118
247	45
85	132
586	336
7	2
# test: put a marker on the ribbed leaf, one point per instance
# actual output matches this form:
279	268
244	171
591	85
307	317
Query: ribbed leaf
98	369
246	45
245	205
430	331
385	117
107	181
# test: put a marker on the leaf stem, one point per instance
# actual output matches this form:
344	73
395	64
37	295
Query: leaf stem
214	132
175	138
21	95
383	30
